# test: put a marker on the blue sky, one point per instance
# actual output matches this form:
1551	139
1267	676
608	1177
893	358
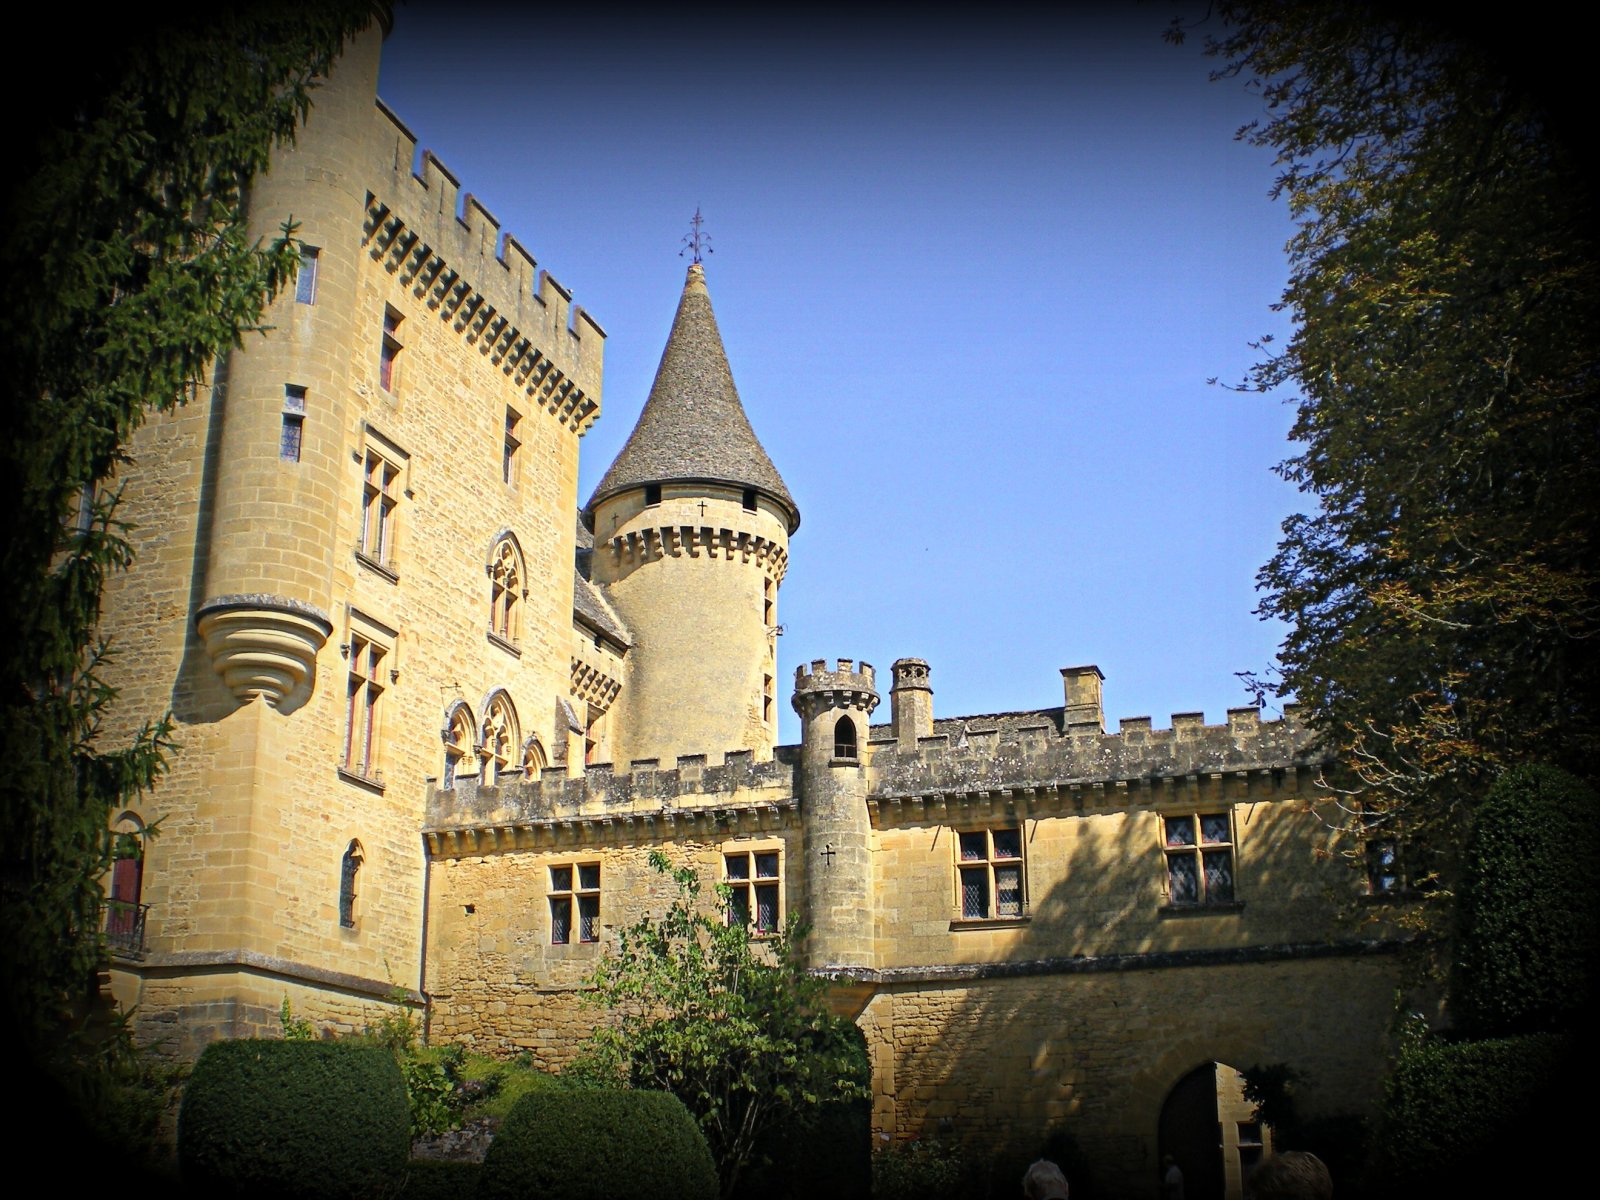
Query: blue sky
972	277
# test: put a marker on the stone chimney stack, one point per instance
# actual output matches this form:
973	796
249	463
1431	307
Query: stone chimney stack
1084	712
911	704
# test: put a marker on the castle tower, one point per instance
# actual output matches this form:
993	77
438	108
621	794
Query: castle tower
834	707
691	530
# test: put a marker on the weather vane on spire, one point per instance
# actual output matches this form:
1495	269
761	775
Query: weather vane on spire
697	239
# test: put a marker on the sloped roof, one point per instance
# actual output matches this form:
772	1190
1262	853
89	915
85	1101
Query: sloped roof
588	603
693	426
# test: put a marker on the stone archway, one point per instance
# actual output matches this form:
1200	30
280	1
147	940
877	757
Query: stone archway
1208	1127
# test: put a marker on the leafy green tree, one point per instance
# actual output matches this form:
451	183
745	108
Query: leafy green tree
735	1027
128	269
1441	595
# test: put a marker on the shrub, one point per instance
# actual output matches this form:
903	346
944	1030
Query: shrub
595	1145
312	1119
918	1170
824	1152
1466	1118
1529	915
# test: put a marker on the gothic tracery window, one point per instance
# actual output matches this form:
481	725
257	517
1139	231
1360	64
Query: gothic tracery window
500	741
460	746
506	584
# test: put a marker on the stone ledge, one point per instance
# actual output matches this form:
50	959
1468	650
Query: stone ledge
188	962
1097	963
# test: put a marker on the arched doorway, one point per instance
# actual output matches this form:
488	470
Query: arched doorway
1209	1129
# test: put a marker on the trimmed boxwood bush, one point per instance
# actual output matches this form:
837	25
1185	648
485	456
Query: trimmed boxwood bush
1529	938
311	1119
596	1145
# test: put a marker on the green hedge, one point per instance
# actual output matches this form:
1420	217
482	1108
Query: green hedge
298	1119
595	1145
1471	1118
1529	911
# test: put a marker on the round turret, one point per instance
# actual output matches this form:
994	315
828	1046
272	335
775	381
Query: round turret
834	706
283	417
691	541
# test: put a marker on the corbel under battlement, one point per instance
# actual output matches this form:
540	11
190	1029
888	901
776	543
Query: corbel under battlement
638	546
458	228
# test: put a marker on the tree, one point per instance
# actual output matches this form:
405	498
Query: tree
733	1026
1441	595
128	269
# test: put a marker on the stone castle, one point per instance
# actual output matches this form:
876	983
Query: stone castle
434	716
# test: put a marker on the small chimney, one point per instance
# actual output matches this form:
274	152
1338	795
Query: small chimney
911	703
1084	712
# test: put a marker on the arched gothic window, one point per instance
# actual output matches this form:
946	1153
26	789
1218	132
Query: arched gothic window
349	868
124	913
507	581
500	740
844	738
533	758
460	745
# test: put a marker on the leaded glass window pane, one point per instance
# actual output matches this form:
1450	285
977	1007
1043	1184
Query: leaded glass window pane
766	866
589	877
1007	843
1183	883
738	866
974	846
975	893
1008	891
1219	876
560	879
560	920
1214	828
1180	831
767	909
588	918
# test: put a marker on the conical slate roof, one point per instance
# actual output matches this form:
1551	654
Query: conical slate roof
693	427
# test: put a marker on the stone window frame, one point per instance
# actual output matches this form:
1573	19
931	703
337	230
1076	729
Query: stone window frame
292	434
305	280
500	746
371	668
460	736
510	458
983	861
385	483
350	864
846	749
507	568
534	758
747	884
1189	849
389	349
574	892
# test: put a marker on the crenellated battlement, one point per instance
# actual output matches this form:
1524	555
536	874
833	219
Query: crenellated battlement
738	795
844	685
642	545
1041	756
451	248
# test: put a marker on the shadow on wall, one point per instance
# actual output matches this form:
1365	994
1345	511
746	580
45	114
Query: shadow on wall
1073	1040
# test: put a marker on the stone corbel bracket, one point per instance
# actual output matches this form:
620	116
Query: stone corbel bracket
262	645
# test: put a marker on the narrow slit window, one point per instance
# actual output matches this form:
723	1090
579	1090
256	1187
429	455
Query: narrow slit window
305	283
294	420
389	354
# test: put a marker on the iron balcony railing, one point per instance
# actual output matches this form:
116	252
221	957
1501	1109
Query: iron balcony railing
125	926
